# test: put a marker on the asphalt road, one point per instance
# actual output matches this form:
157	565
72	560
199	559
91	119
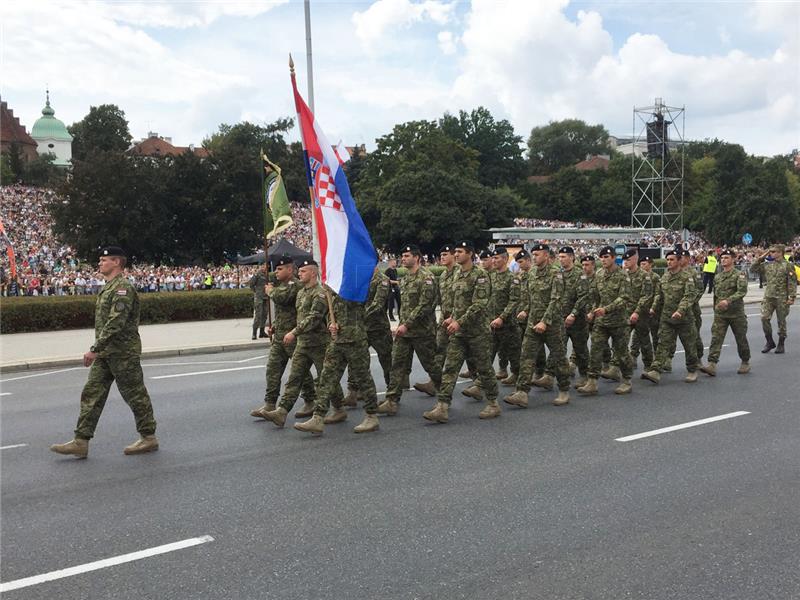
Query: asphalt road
540	503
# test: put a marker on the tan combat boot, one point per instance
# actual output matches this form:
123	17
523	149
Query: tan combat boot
613	373
581	381
465	375
314	425
590	388
510	380
490	411
277	416
76	447
426	388
473	391
709	369
146	443
691	377
518	398
562	398
337	416
438	414
306	411
744	368
261	411
388	407
370	423
624	387
351	399
652	375
545	382
501	374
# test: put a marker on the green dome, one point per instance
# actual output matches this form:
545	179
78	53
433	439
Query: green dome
48	127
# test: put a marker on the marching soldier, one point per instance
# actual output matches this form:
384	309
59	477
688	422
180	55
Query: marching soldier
653	313
448	261
642	292
505	300
730	288
697	313
545	327
257	283
778	297
468	328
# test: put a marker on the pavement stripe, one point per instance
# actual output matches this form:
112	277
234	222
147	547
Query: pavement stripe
12	446
102	564
5	393
207	372
638	436
41	374
206	362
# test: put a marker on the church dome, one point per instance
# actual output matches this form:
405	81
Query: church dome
48	127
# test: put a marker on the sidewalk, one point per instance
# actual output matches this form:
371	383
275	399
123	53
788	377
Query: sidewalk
21	351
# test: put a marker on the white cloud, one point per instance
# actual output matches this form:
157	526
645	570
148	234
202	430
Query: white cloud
183	15
378	21
447	42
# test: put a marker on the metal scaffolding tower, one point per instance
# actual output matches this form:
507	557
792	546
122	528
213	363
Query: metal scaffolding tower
657	167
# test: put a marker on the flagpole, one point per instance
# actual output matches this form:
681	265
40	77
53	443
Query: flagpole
264	208
309	62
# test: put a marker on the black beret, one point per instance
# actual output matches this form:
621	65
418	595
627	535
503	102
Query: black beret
606	251
466	245
308	262
587	258
544	247
630	252
447	248
647	259
522	254
485	254
500	251
411	248
566	250
112	251
672	253
727	252
284	260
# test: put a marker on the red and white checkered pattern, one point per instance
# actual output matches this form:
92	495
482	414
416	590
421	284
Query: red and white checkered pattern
326	190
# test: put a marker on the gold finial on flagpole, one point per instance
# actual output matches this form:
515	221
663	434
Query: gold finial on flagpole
291	64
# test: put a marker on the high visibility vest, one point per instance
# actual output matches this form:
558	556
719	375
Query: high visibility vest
711	264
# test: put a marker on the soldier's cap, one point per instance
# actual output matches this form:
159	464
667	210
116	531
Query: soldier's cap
630	252
540	247
672	253
485	254
566	250
777	248
522	254
647	259
606	251
466	245
112	251
500	251
411	248
447	248
685	253
308	262
284	260
587	258
727	252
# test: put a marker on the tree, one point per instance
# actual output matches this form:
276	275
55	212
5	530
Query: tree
564	143
42	172
104	129
499	152
13	164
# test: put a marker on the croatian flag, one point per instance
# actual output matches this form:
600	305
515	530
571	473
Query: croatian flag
347	256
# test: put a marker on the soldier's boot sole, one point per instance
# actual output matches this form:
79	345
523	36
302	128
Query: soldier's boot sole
653	376
490	411
561	399
368	425
306	411
710	369
426	388
438	414
518	398
388	408
143	445
314	425
337	416
77	447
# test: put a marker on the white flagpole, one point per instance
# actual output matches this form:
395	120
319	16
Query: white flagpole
315	252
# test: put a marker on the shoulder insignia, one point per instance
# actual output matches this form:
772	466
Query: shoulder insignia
122	292
481	279
429	281
584	277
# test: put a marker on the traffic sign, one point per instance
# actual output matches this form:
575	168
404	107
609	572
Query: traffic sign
747	239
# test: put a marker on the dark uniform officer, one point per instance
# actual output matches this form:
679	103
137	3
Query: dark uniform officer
114	356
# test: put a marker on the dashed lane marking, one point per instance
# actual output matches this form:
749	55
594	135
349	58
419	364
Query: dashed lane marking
207	372
638	436
40	374
13	446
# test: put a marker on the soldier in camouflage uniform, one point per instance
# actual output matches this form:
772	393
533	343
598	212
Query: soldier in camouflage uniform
730	288
610	300
349	349
379	332
282	289
114	356
312	338
697	313
417	329
257	283
545	327
779	295
678	292
468	328
653	313
506	296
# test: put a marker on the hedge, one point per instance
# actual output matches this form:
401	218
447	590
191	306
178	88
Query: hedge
51	313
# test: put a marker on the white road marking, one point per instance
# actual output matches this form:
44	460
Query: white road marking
206	362
638	436
13	446
41	374
5	393
207	372
102	564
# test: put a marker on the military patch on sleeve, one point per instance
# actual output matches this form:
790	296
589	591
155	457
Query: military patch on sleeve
122	292
481	279
429	281
583	276
120	306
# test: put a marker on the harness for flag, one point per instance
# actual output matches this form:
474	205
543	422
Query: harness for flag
347	256
12	259
277	210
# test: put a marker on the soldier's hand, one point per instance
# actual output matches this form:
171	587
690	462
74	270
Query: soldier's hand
590	317
677	315
522	315
634	319
88	358
652	312
789	301
268	289
540	327
599	312
497	323
722	305
289	338
446	322
270	331
334	329
569	321
400	331
453	327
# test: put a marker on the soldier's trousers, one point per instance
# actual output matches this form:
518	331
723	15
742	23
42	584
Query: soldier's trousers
354	356
259	313
477	348
579	335
127	372
640	342
619	336
279	356
652	336
698	323
719	328
668	332
506	343
532	345
442	340
778	306
381	341
402	355
306	355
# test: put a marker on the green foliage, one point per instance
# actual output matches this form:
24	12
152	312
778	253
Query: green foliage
104	129
76	312
42	172
564	143
13	166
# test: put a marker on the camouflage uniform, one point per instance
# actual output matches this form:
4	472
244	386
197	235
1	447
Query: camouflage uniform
470	292
696	310
418	296
578	332
118	348
284	295
611	290
652	321
348	349
379	332
642	290
257	283
781	286
312	341
544	294
506	340
731	286
677	292
446	304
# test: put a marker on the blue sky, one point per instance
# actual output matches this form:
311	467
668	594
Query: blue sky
183	68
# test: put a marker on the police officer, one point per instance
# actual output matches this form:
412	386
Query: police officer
778	297
256	284
114	356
